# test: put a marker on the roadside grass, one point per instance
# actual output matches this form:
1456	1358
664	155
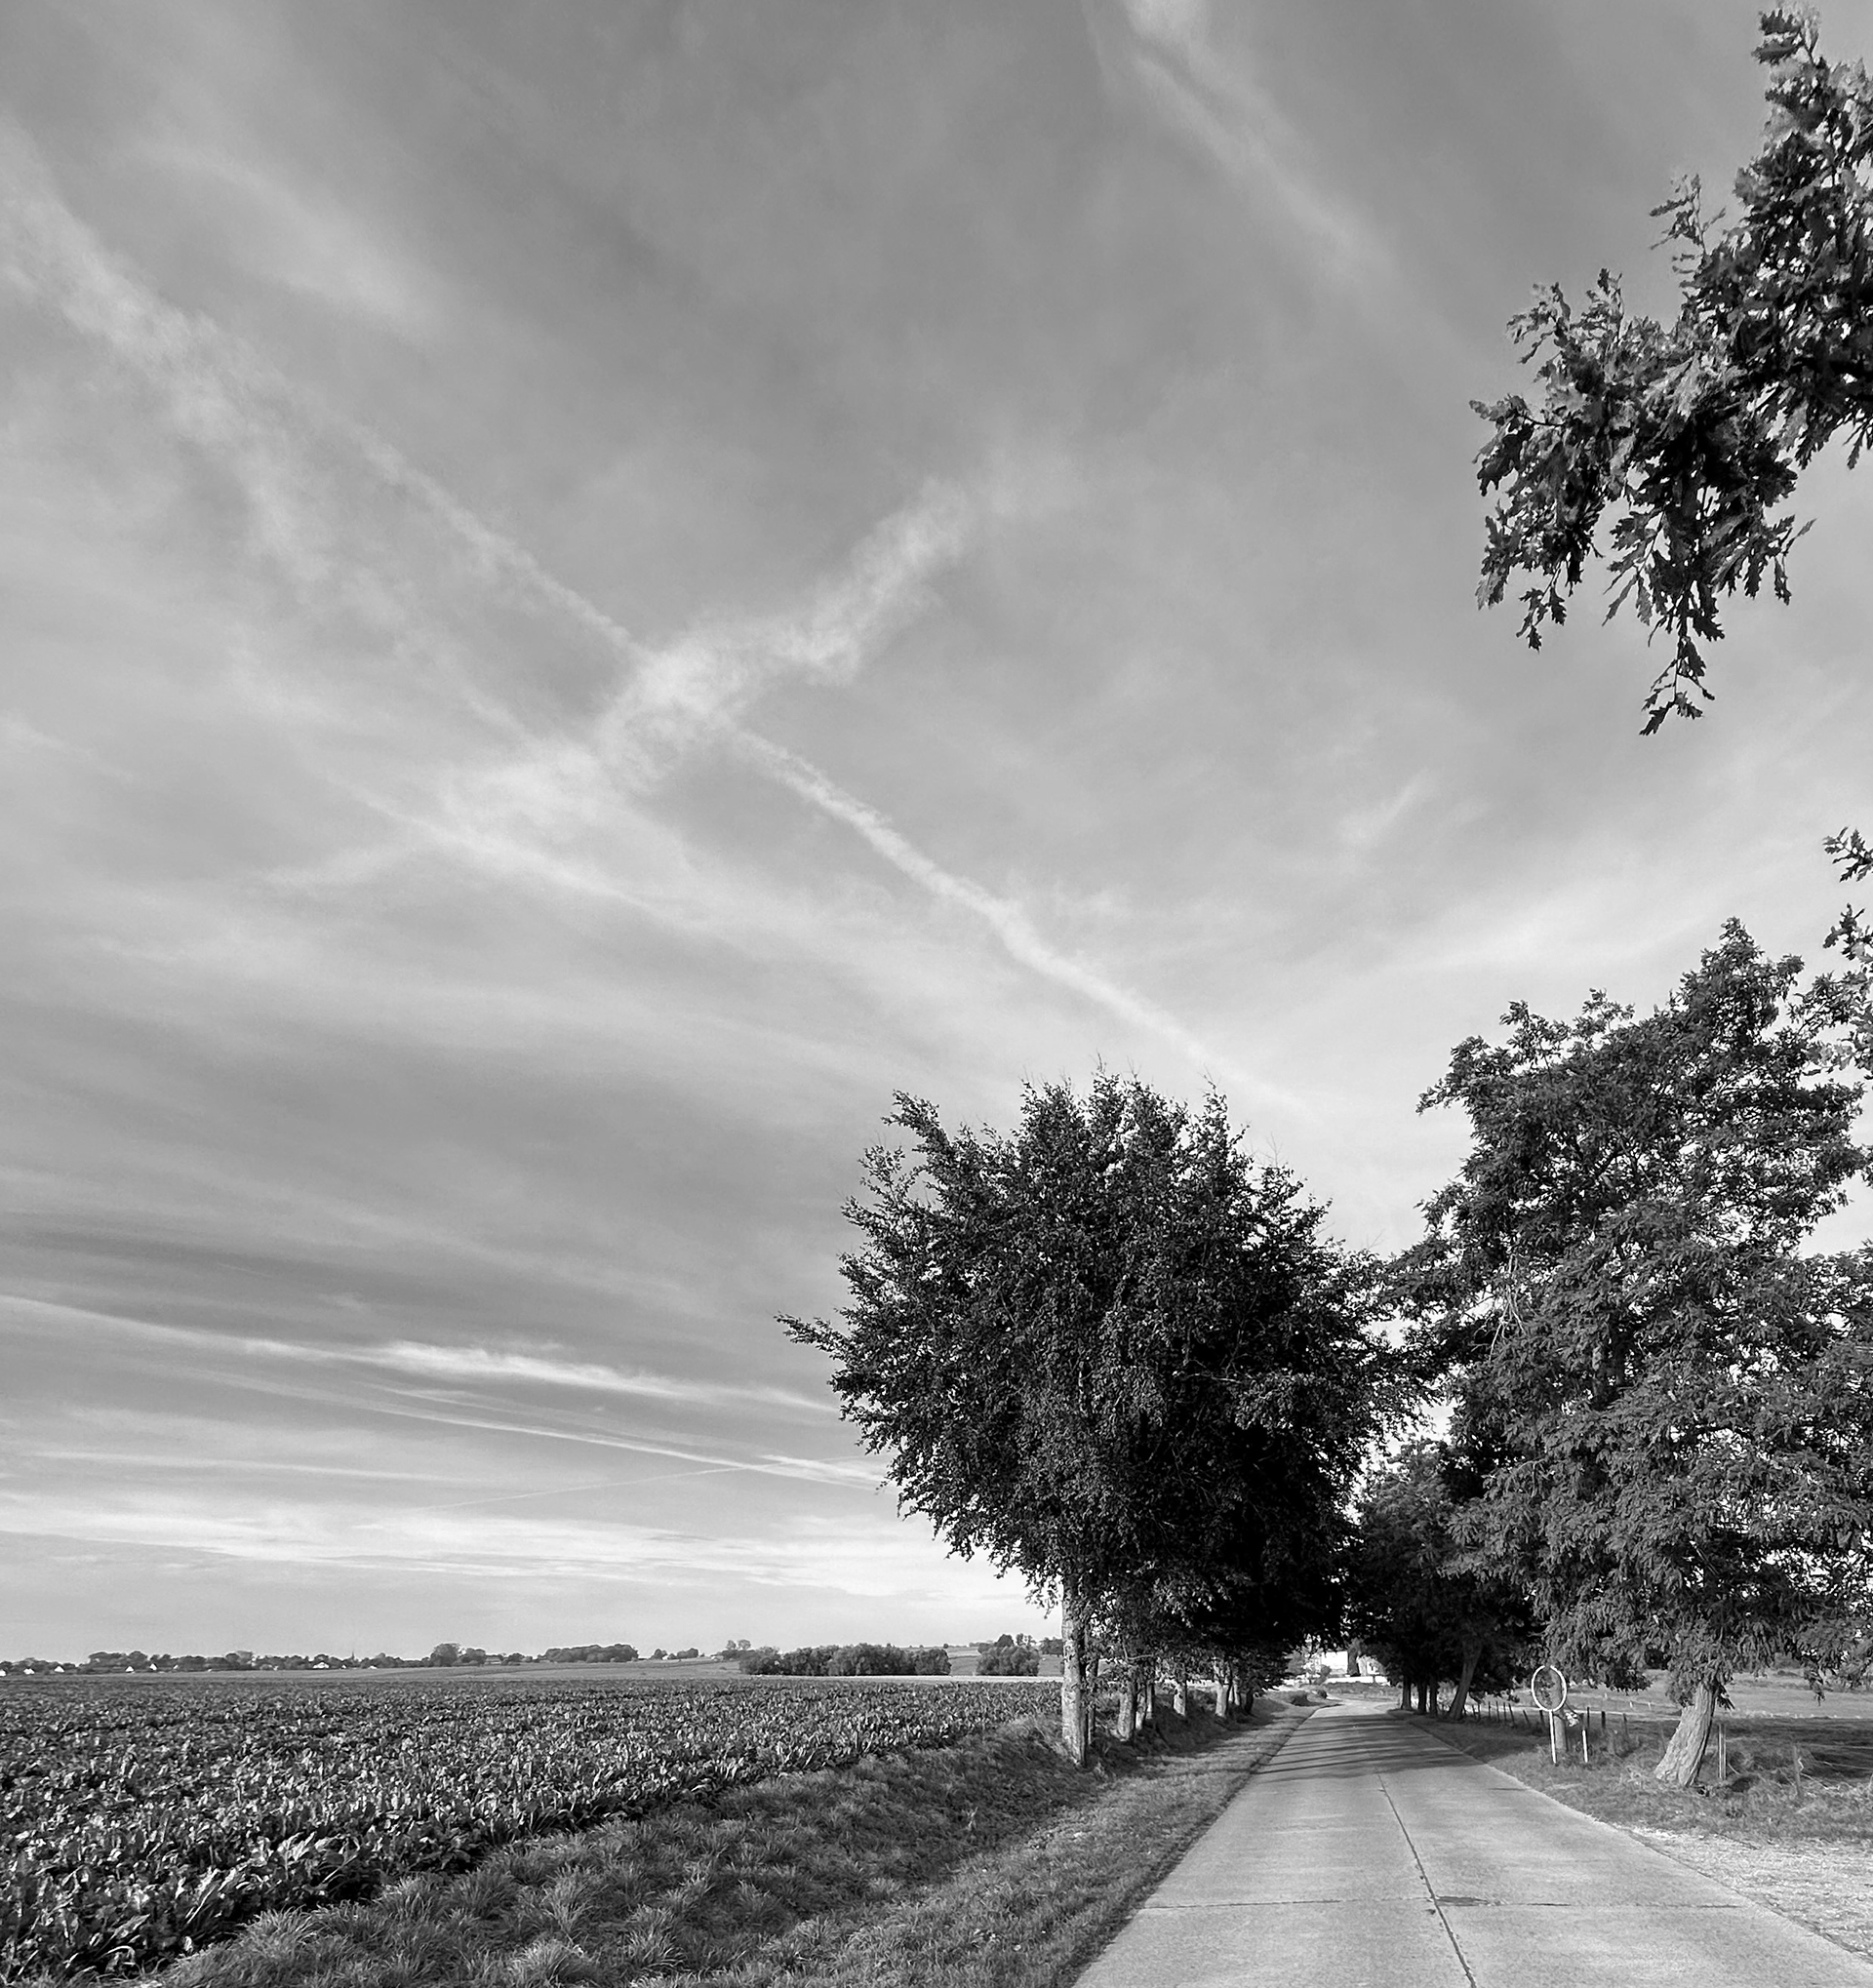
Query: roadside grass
989	1864
1789	1780
1791	1826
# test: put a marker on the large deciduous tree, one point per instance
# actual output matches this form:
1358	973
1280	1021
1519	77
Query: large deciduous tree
1691	436
1677	1392
1110	1354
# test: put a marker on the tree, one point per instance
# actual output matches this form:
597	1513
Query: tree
1414	1599
1106	1352
1393	1601
1853	858
1010	1656
1696	432
1676	1396
1237	1632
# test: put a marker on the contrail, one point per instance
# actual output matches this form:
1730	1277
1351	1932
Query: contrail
249	417
265	431
1006	920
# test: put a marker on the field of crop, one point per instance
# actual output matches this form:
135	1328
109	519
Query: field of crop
139	1822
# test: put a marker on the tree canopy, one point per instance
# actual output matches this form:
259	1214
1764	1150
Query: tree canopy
1675	1393
1692	434
1417	1602
1114	1356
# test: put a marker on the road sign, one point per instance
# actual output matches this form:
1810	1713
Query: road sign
1549	1690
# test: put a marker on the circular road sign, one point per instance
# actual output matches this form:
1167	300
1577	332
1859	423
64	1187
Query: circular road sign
1548	1689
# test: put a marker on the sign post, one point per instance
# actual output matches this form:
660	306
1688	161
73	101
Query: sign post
1549	1690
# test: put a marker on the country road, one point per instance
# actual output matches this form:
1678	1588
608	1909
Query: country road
1367	1853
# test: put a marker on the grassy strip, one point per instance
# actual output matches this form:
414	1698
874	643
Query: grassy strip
1035	1913
989	1864
1775	1793
1795	1839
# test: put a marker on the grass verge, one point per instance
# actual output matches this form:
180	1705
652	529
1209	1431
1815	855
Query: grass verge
1792	1827
989	1864
1777	1791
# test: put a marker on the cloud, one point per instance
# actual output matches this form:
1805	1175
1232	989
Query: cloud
1006	919
554	807
489	1369
481	1365
1165	55
863	1556
216	396
285	450
1366	828
819	1471
278	444
195	1463
304	241
20	735
703	681
546	810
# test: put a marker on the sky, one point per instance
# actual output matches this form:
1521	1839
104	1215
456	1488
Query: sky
590	591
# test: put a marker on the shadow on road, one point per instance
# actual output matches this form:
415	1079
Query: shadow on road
1349	1749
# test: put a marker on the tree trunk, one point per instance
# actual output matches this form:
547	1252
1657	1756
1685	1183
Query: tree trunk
1685	1750
1472	1656
1075	1699
1128	1701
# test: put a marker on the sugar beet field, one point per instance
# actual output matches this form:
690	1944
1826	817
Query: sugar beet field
141	1821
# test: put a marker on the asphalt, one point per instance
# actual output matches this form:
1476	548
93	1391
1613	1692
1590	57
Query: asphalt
1370	1854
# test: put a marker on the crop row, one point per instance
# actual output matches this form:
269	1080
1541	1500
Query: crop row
139	1822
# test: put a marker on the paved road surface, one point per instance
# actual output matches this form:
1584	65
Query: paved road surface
1369	1853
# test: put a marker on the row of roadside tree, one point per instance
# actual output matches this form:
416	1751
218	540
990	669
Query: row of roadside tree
1119	1359
1115	1356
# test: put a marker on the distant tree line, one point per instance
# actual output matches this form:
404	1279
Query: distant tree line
839	1659
106	1662
847	1660
1010	1656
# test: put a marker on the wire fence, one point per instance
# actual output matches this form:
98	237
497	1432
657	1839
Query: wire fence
1836	1745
